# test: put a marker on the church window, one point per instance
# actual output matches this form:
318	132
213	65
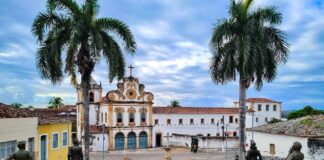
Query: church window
266	119
119	117
106	117
231	119
202	121
131	117
191	121
274	107
234	134
236	120
212	121
101	116
208	134
168	121
267	107
259	107
217	134
143	117
91	97
180	122
156	122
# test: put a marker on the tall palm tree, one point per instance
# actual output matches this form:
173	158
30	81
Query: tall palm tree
73	30
249	46
55	103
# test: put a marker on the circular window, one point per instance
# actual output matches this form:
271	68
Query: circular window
131	94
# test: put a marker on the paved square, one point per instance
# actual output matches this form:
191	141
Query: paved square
158	154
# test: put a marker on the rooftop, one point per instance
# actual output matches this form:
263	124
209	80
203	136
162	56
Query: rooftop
8	111
309	126
195	110
260	100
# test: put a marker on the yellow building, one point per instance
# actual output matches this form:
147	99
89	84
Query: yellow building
53	138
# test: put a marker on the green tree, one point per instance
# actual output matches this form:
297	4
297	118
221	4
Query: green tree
75	29
174	103
307	110
55	103
17	105
249	46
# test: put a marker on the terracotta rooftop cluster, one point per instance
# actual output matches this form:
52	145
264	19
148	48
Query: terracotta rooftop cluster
45	116
309	126
195	110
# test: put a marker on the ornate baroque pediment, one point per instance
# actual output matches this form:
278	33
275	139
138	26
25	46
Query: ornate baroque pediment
130	90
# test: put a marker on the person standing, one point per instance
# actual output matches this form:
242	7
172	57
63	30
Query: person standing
75	152
21	154
253	153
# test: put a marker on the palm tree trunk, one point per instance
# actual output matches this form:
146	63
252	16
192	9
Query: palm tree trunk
242	110
86	142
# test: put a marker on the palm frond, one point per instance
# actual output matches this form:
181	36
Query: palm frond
69	5
119	28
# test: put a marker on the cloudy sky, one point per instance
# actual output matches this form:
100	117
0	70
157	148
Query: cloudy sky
172	58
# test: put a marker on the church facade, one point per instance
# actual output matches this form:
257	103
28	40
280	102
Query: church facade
122	119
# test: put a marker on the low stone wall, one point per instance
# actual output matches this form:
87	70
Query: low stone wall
204	143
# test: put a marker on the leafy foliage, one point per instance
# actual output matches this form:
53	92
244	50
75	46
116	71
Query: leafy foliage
174	103
68	26
247	44
55	103
307	110
17	105
274	120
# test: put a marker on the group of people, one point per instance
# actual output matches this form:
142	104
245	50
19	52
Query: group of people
294	152
75	152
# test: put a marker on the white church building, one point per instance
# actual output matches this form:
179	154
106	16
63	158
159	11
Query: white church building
125	118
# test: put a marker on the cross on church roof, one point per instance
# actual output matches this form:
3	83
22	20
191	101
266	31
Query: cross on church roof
130	70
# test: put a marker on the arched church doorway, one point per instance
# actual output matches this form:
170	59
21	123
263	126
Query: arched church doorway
143	140
119	141
131	140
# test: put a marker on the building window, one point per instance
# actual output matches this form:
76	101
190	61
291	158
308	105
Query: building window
101	116
267	107
222	120
266	119
55	140
168	121
31	145
259	107
217	134
191	121
257	119
230	119
180	122
274	107
212	121
91	97
131	117
119	117
208	134
202	121
106	117
234	134
236	120
156	122
272	149
7	148
143	117
64	139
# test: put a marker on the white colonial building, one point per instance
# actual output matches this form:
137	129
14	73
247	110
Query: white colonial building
275	140
176	125
126	114
260	111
